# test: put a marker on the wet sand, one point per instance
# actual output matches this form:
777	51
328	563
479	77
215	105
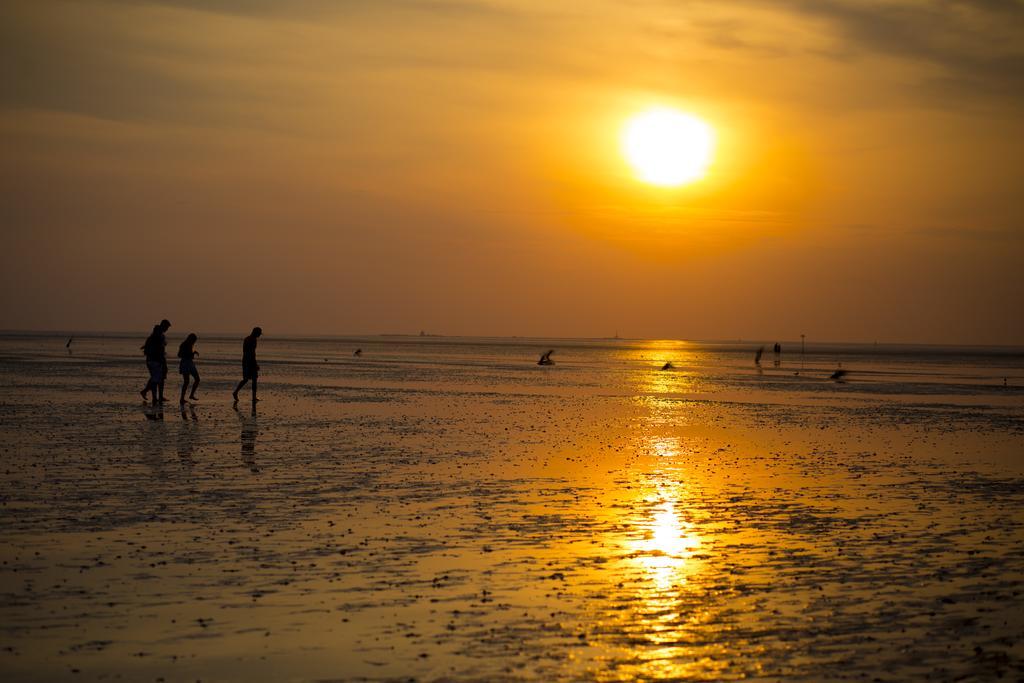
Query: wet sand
474	517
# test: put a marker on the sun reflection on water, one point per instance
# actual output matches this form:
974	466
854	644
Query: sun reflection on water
667	372
667	541
667	556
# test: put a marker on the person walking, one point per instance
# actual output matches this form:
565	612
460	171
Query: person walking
250	368
155	349
187	366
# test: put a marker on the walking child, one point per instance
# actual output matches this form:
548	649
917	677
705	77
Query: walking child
187	366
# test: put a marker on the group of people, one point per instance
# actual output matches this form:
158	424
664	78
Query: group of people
155	349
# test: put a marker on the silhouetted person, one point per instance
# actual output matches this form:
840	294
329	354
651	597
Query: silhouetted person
250	369
778	353
757	356
151	352
187	366
155	349
545	358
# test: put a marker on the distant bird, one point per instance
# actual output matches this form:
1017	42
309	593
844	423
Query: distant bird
545	358
757	356
838	375
357	352
668	366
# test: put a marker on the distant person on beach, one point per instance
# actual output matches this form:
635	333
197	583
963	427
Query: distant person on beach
155	349
778	353
187	366
250	368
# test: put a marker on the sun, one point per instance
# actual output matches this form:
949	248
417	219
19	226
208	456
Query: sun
667	147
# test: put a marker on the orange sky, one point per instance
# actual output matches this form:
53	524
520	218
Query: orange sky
369	166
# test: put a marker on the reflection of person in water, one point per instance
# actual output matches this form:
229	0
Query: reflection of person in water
153	440
187	434
250	430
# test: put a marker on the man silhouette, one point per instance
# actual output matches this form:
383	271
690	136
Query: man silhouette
250	368
155	349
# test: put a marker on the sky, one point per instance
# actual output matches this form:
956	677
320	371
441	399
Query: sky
455	166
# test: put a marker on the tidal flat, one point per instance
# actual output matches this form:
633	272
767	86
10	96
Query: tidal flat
447	510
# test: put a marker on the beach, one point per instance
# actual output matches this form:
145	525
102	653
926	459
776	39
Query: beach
444	509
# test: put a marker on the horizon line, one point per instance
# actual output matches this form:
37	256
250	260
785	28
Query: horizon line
420	335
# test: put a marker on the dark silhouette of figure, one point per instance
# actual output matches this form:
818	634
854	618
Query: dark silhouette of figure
187	366
838	375
757	356
545	358
155	350
668	366
778	353
151	352
250	368
357	352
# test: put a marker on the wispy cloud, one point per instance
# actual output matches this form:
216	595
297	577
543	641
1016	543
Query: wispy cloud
976	49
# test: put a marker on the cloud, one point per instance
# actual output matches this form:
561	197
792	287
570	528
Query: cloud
226	62
975	48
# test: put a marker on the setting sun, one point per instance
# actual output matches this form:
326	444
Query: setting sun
667	147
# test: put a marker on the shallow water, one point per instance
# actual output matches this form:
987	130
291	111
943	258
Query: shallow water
445	509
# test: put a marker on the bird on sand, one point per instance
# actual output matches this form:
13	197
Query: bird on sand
357	352
545	358
838	375
668	366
